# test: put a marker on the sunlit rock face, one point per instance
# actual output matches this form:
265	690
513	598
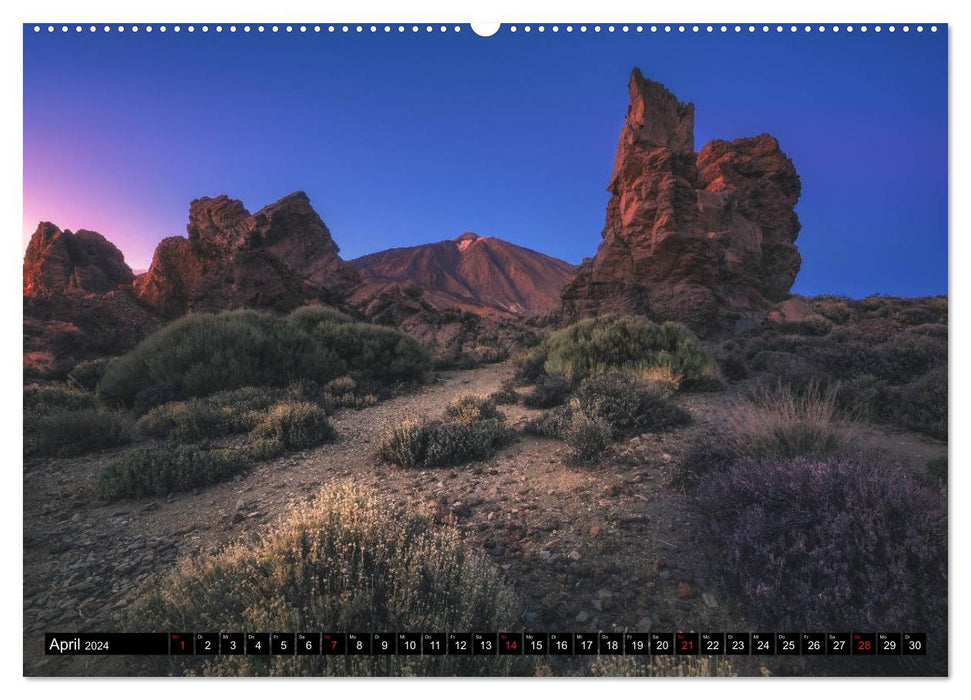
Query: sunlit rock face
706	238
278	258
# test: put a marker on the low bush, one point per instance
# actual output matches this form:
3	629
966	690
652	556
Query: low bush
629	406
86	375
159	471
204	353
661	379
505	395
469	409
376	352
346	561
154	396
344	392
529	367
550	423
608	343
47	400
588	437
549	391
810	544
707	455
428	445
862	398
309	317
922	404
192	421
784	368
294	425
222	413
908	355
733	365
69	433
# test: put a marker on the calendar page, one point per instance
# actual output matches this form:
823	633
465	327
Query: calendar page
524	349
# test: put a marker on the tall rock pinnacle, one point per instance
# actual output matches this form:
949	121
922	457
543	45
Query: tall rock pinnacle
703	238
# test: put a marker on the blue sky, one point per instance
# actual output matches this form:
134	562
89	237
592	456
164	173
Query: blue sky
408	138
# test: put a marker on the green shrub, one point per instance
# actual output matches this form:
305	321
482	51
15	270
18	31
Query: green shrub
309	317
628	405
159	471
529	367
863	398
204	353
344	392
75	432
587	437
46	400
347	561
86	375
505	395
607	343
549	391
550	423
194	420
469	408
922	404
427	445
733	365
294	426
376	352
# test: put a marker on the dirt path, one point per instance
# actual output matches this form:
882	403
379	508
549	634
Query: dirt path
606	548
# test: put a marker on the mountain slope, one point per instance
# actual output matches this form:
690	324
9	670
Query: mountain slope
476	273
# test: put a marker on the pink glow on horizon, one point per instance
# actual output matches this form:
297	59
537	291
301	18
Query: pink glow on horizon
133	230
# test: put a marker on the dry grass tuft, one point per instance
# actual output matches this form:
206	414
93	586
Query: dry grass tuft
346	561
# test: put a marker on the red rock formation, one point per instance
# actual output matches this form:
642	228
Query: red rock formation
703	238
62	262
278	258
471	272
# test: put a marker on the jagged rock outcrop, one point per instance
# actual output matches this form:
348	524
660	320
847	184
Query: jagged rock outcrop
77	301
704	238
278	258
62	262
473	273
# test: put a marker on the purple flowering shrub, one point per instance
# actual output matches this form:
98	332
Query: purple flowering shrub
830	544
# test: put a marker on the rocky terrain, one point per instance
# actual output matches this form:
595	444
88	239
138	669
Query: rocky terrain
704	238
278	258
613	547
474	273
77	301
82	301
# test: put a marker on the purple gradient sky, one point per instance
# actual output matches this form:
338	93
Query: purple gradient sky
405	139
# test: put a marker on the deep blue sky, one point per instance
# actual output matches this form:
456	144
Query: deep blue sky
405	139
